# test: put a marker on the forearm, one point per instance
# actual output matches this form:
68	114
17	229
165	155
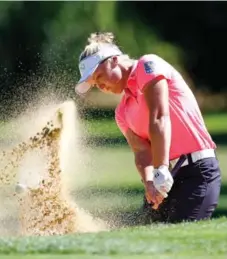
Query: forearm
160	135
142	162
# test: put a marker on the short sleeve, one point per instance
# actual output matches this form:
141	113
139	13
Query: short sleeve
120	119
150	67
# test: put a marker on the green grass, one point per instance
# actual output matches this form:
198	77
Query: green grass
49	256
216	123
114	166
54	256
113	257
161	241
102	128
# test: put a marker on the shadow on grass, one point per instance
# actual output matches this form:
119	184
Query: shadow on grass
127	214
219	139
224	190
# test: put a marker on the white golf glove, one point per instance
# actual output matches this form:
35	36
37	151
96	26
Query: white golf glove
163	180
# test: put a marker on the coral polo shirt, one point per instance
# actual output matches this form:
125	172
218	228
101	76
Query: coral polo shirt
189	133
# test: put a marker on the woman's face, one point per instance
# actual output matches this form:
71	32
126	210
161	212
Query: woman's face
109	77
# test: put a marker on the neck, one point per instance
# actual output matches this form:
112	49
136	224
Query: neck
127	66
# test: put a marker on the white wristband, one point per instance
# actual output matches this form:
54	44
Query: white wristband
149	173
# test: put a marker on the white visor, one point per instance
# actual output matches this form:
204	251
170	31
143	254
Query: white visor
88	66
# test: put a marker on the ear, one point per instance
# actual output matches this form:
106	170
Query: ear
115	60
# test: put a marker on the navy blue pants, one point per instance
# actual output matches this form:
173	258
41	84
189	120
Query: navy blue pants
194	194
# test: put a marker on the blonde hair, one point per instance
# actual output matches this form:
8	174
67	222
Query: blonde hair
95	42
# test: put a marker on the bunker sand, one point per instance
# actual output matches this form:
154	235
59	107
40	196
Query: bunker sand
47	208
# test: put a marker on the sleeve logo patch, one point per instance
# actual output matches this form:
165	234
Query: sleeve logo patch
149	67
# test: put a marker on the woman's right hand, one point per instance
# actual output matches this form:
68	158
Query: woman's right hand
152	195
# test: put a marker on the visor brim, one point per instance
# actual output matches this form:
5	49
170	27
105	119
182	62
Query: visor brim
83	88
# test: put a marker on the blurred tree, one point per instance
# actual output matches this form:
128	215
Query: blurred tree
21	37
40	41
67	35
198	27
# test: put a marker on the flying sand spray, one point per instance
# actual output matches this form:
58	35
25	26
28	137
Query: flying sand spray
46	207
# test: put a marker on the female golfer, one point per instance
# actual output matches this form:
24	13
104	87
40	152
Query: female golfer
160	118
